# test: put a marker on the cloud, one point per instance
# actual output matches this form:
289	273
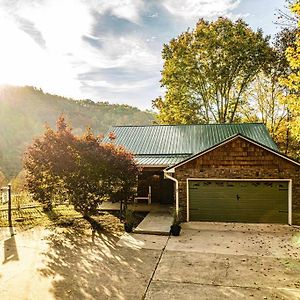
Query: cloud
200	8
123	87
28	27
113	52
125	9
40	41
94	48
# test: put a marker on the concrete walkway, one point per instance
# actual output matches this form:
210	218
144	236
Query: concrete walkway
156	222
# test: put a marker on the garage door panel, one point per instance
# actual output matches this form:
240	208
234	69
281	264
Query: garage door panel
261	203
239	201
249	217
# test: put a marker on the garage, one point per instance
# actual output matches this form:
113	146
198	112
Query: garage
237	180
251	201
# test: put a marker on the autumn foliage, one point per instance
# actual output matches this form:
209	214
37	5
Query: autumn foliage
82	170
292	81
207	70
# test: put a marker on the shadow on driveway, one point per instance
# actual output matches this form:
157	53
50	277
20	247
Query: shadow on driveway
10	248
83	267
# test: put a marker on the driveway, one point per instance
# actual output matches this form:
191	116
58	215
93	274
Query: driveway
229	261
208	261
69	264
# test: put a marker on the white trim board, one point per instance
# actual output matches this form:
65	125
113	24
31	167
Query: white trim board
172	169
236	179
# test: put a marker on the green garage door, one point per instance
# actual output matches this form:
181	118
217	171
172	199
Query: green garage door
239	201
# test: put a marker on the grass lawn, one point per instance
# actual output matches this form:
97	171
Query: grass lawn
62	215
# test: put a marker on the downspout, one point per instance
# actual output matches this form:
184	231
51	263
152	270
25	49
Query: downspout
176	190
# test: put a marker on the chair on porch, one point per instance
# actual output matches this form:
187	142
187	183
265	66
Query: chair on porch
148	197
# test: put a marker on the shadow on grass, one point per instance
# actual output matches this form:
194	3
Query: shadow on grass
52	215
24	218
63	216
94	267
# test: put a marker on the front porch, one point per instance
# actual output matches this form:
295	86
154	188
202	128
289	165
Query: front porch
138	207
157	221
154	193
152	181
154	196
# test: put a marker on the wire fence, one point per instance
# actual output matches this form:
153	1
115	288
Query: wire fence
19	200
4	195
24	212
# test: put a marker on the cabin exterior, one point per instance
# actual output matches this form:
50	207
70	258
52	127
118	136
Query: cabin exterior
215	172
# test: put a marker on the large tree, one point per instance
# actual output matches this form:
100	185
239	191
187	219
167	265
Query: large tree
207	70
292	80
79	168
262	104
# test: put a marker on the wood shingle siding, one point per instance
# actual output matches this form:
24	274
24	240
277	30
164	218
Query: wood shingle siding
239	159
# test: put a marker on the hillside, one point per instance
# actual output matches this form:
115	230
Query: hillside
24	111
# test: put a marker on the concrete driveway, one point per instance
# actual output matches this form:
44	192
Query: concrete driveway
229	261
68	264
208	261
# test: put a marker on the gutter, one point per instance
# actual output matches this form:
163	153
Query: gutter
176	190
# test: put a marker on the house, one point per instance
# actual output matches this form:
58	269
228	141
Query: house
215	172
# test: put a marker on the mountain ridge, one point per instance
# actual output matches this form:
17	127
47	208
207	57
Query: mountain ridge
24	112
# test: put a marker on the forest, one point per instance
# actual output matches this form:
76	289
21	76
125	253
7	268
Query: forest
25	111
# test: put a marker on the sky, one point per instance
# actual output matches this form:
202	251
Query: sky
106	50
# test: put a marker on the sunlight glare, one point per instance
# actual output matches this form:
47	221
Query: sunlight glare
54	67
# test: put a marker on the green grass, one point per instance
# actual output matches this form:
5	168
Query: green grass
60	216
19	199
35	216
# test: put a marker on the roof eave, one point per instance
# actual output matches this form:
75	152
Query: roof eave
153	166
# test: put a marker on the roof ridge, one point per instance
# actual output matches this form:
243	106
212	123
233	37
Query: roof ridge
162	154
210	124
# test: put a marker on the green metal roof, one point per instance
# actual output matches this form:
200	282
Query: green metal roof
168	144
160	160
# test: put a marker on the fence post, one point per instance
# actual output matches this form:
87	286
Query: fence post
9	204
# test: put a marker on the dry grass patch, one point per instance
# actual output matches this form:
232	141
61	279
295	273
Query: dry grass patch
60	216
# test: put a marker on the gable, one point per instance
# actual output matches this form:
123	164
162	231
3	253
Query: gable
238	150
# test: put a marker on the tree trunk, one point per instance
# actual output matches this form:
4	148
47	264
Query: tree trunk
94	224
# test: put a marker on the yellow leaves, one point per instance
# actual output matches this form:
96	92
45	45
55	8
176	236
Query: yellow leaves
296	8
293	54
292	81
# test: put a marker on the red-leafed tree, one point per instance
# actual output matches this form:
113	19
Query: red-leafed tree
84	169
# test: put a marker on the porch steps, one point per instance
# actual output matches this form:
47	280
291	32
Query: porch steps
156	222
